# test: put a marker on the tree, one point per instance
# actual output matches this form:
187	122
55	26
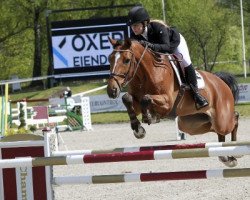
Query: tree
9	25
205	26
34	10
235	7
12	39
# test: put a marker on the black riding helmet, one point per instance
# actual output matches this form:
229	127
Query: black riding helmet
137	14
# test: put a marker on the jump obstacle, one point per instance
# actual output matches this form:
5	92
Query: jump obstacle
146	177
54	114
127	156
150	148
30	179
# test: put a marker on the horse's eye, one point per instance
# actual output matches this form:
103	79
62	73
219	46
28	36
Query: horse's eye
126	61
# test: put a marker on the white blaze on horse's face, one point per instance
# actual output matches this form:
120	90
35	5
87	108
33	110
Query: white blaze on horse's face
117	56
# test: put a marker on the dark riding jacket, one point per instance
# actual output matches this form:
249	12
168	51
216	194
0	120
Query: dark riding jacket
164	39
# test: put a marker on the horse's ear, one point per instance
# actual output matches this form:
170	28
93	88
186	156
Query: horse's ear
112	41
127	42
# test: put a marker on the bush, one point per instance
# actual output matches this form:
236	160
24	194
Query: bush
22	131
33	128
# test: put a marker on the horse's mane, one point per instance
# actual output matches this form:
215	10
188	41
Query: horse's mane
158	58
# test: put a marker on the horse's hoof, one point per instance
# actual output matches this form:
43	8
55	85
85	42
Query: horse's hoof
140	133
229	161
183	136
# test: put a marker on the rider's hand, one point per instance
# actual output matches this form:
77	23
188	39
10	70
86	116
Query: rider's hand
146	43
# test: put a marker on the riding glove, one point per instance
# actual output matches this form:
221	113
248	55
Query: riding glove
146	43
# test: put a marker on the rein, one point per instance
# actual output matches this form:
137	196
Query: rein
126	77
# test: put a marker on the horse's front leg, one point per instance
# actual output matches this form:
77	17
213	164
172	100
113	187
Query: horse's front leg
146	103
129	103
153	107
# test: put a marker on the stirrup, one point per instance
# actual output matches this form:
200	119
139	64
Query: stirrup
200	103
198	106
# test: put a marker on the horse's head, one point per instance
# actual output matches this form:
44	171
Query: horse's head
123	66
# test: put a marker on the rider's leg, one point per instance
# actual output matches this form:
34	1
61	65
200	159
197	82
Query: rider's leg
183	53
190	75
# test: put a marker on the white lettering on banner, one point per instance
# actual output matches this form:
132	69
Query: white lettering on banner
90	60
83	50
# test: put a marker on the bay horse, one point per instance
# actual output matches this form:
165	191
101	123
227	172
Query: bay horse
154	92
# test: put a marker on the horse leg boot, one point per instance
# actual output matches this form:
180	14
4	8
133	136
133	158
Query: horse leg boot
138	130
190	75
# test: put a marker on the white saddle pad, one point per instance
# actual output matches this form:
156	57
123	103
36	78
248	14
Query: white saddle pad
200	80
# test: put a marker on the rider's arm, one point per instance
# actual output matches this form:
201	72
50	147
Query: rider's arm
169	39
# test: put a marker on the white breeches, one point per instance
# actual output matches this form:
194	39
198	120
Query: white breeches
182	53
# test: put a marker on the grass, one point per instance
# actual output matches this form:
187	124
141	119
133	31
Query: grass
110	117
243	110
37	93
243	80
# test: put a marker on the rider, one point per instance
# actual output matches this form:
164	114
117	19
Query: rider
161	38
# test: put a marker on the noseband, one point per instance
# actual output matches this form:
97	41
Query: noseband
125	76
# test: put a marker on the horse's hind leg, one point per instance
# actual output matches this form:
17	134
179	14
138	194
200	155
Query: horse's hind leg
139	131
234	132
230	161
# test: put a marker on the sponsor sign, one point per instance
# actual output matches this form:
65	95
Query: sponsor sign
244	92
102	103
98	103
83	45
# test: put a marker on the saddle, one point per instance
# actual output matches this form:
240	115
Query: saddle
161	59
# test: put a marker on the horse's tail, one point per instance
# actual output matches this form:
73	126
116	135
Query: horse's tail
231	81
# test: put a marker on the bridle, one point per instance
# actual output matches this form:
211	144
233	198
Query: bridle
133	63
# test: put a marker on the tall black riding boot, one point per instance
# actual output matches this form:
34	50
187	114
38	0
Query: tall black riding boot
190	75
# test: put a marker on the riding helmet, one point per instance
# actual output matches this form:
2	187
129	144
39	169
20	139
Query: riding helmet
137	14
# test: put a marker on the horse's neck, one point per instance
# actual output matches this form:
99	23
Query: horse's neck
150	72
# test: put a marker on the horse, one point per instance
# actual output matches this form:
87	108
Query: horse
154	92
